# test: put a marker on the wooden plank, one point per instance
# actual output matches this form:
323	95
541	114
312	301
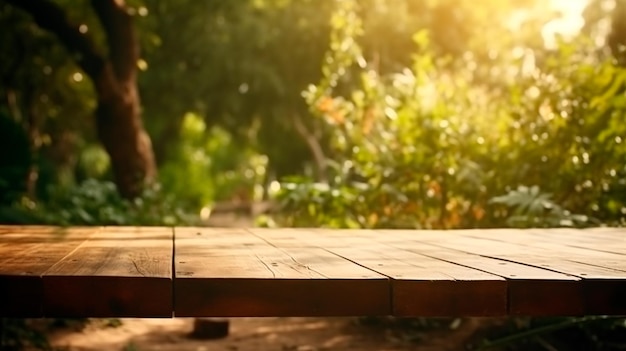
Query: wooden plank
118	272
424	286
531	290
127	271
421	285
602	241
603	274
16	229
599	270
556	250
25	254
525	282
231	273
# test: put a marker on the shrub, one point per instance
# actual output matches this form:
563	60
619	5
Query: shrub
439	143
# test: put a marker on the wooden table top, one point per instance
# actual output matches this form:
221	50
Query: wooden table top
211	272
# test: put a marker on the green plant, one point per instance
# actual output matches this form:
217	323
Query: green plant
15	159
532	208
431	145
96	202
210	165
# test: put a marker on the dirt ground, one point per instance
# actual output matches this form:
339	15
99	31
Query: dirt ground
263	334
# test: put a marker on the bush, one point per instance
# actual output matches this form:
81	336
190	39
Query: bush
439	143
15	159
209	165
96	202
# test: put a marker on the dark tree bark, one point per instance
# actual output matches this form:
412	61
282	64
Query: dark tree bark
118	115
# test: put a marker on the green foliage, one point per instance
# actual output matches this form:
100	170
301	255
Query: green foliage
430	146
396	145
93	163
424	114
47	97
243	64
97	203
209	165
14	164
226	61
532	208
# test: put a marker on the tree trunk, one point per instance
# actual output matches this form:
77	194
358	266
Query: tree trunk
121	131
118	115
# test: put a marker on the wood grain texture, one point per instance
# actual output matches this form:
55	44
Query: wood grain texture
596	259
127	271
117	272
25	254
532	290
420	285
425	286
231	273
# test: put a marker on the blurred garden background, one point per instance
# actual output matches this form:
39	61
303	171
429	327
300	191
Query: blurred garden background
359	114
326	113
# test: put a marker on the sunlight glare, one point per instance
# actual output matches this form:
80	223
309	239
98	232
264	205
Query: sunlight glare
568	24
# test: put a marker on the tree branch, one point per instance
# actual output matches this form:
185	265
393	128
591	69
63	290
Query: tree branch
121	36
51	17
314	146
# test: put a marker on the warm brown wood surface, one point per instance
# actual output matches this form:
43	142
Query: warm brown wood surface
232	272
160	272
86	272
117	272
25	254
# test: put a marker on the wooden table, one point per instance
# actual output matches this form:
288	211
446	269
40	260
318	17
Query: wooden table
192	272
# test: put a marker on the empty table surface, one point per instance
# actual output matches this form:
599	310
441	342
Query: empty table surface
230	272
